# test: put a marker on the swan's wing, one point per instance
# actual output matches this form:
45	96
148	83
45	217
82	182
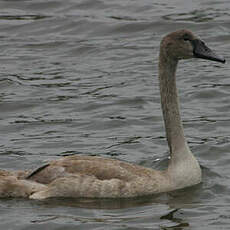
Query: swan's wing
100	168
96	177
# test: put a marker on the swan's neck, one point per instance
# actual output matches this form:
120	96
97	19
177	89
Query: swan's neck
170	105
183	169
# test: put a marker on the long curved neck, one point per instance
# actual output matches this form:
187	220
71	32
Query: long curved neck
170	105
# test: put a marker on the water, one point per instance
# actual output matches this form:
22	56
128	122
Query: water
81	77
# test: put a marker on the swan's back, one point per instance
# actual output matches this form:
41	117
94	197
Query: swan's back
101	168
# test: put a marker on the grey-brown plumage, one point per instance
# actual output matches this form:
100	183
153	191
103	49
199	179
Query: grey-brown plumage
84	176
97	177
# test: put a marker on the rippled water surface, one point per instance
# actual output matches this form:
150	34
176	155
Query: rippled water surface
81	77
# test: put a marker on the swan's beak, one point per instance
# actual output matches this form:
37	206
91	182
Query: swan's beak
200	50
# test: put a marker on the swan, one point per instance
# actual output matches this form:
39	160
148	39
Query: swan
98	177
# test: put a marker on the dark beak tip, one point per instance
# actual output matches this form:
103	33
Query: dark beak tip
222	60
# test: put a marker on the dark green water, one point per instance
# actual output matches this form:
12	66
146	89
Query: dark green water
81	77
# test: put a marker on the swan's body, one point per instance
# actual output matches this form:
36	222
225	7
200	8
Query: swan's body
97	177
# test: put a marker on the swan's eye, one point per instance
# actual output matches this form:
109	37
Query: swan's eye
185	39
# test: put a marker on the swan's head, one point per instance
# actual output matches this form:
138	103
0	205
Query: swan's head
183	44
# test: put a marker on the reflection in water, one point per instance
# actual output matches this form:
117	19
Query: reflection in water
174	223
179	224
101	203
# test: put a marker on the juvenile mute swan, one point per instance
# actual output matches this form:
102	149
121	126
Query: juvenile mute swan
97	177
